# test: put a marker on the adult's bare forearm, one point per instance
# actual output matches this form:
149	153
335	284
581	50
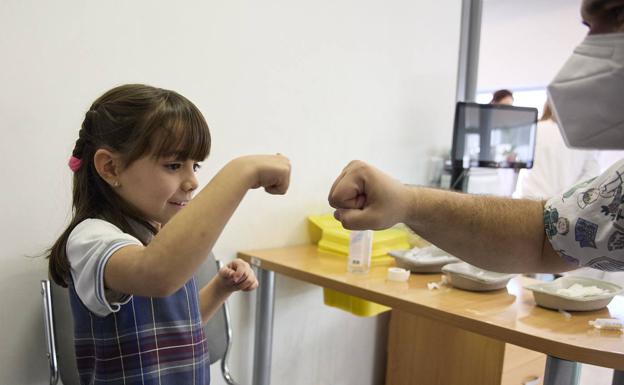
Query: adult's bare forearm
499	234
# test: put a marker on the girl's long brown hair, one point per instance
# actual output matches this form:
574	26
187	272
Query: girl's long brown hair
133	120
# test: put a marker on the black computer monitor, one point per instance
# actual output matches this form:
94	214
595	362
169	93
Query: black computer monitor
493	135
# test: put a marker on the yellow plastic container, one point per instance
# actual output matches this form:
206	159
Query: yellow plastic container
353	305
333	239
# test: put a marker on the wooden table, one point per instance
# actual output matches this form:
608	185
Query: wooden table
463	330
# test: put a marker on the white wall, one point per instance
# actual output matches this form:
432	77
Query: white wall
320	81
524	43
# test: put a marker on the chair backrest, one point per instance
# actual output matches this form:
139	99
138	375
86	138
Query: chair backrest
59	324
216	329
59	334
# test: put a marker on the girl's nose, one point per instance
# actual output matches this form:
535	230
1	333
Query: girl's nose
190	184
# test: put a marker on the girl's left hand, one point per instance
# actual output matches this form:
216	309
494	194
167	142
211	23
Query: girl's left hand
238	275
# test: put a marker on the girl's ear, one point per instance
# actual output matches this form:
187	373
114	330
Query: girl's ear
108	165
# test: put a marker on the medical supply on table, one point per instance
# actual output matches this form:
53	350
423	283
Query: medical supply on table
428	259
465	276
573	293
437	285
578	290
333	239
607	323
433	285
398	274
360	250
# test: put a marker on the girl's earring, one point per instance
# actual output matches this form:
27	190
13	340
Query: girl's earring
116	184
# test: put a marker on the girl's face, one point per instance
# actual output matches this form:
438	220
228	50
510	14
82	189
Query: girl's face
158	188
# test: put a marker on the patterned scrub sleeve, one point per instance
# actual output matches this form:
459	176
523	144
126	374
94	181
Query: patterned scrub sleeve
585	225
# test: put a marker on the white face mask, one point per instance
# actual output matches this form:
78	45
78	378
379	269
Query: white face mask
587	94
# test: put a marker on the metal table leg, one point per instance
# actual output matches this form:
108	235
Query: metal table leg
263	338
618	377
561	372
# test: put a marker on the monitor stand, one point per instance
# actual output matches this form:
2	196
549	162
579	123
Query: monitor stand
459	179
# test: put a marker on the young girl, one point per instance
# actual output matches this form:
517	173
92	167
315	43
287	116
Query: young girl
136	238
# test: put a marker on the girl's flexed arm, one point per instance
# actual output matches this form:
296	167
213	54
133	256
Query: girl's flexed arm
176	252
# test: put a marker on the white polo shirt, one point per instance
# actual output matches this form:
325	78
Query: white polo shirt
89	246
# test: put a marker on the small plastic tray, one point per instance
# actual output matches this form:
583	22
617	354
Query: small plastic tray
422	264
465	276
546	295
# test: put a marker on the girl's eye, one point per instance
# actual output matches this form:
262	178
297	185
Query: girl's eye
196	167
173	166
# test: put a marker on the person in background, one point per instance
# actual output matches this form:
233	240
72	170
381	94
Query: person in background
502	97
556	166
506	177
584	226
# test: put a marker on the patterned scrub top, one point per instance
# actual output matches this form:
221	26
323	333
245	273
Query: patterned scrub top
585	225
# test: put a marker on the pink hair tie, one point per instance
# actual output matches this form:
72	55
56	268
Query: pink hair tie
74	163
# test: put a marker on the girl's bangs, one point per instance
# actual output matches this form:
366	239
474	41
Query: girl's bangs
181	133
